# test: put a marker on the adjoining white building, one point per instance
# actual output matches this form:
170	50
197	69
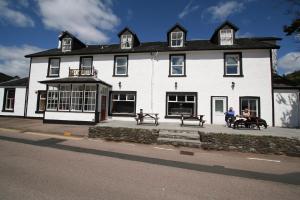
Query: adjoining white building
81	83
13	97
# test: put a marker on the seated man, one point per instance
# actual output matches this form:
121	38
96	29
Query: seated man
229	115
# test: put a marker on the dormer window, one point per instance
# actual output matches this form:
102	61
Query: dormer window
126	41
66	44
176	39
226	36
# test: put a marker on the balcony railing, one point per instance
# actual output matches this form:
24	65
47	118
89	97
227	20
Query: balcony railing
82	72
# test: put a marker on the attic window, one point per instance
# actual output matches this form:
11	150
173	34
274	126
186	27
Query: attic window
126	41
226	37
66	44
177	39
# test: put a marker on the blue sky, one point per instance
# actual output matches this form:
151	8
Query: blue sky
32	25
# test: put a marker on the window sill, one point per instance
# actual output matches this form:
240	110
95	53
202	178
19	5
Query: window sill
7	110
122	115
48	76
39	112
233	75
177	75
120	75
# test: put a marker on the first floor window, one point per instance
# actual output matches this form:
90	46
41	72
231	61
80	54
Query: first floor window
121	63
252	103
90	98
232	64
54	67
52	98
86	65
123	102
9	99
64	97
181	103
41	104
177	65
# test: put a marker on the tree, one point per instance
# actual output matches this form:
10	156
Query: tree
294	27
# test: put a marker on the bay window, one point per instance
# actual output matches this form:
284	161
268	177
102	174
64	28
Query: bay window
77	97
52	98
64	97
90	98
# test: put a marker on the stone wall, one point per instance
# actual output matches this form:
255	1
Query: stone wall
145	136
250	143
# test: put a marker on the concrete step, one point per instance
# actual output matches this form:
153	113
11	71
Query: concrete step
179	142
179	135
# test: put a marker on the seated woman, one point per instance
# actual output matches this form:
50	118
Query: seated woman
246	114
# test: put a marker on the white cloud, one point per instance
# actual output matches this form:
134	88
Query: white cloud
14	17
12	59
290	62
243	35
87	19
189	8
223	10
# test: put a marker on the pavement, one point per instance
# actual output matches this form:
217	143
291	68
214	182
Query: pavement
46	166
37	125
208	128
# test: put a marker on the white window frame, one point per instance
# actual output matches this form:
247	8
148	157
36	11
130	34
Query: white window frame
86	69
10	101
175	37
90	98
64	98
185	101
52	98
182	65
66	44
126	41
238	65
77	98
51	66
120	66
226	36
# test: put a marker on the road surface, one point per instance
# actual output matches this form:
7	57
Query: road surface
39	166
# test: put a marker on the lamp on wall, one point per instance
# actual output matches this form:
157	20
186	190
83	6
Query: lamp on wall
120	85
232	85
175	85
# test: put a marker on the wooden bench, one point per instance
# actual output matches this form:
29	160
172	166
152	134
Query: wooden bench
140	117
198	118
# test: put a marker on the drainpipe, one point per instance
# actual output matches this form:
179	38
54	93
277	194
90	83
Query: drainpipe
153	56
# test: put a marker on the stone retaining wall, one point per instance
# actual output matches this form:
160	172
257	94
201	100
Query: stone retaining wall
250	143
145	136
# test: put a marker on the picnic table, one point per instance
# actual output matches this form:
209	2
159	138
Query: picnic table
140	117
198	118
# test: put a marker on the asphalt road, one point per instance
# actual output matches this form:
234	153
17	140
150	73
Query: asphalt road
34	166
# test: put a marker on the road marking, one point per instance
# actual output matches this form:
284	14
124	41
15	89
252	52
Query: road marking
164	149
53	135
262	159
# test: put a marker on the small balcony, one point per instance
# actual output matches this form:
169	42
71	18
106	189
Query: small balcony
82	72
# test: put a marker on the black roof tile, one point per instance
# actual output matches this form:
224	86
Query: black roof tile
16	82
75	80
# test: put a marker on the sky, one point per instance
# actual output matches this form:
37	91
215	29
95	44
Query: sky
28	26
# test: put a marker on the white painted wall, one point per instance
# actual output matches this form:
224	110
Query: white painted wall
70	116
149	78
19	102
286	108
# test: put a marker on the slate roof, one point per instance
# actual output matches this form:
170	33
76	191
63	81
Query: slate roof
75	80
280	82
21	82
5	77
192	45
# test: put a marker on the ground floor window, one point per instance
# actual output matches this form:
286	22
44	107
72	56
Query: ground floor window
9	99
123	103
75	97
41	101
252	103
178	103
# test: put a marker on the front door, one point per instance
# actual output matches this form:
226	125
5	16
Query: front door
103	108
218	108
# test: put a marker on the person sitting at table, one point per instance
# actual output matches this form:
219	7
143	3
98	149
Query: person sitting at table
246	113
229	115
